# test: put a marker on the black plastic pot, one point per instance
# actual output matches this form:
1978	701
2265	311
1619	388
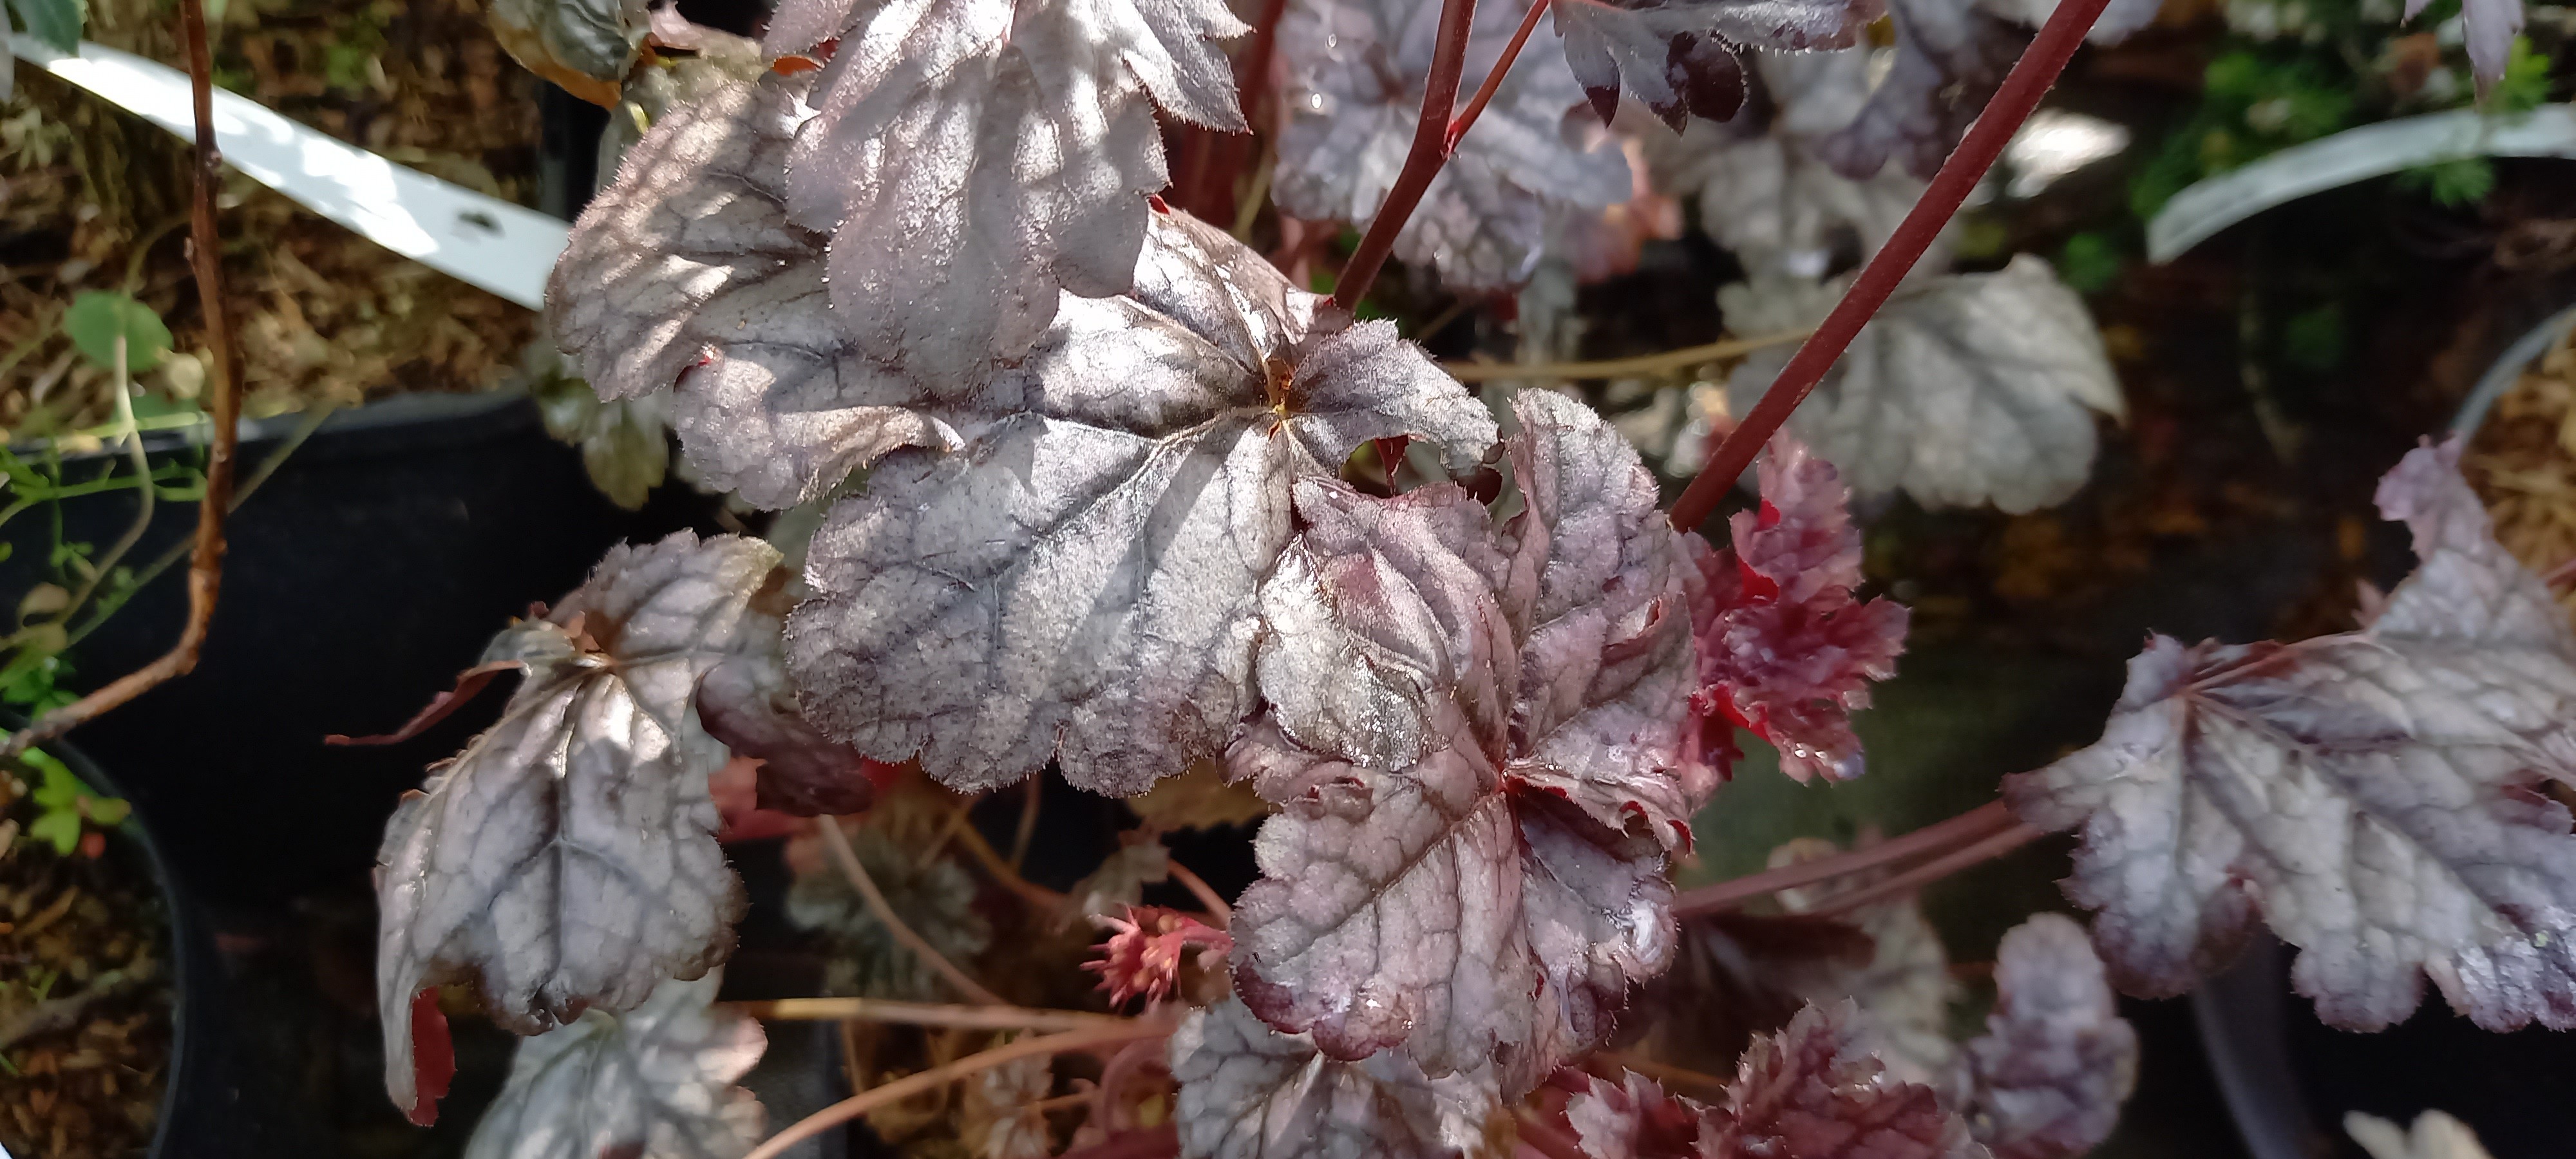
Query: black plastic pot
361	578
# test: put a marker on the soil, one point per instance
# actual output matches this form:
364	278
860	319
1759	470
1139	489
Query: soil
92	199
85	993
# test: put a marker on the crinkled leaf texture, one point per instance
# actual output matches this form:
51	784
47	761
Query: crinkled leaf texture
1809	1092
1681	56
566	859
1479	742
2370	794
1784	649
2047	1078
1250	1092
1079	582
686	275
1950	56
972	158
1965	389
1355	71
1061	562
656	1082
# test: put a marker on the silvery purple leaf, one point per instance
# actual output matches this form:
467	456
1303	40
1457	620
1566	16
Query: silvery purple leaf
2047	1078
656	1082
686	275
973	158
1250	1092
1079	582
566	860
2370	794
1481	879
1965	389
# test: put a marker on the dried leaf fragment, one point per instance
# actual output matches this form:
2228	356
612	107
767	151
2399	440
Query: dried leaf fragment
2368	794
656	1082
2047	1078
1784	649
1476	737
1250	1092
566	859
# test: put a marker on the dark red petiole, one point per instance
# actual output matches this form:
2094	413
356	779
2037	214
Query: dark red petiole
2029	80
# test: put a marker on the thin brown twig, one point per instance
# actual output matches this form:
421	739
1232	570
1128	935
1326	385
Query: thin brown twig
2012	838
1636	367
839	843
913	1084
1547	1138
1974	825
1028	830
1422	162
2020	93
921	1014
206	565
1665	1073
991	860
1475	107
1218	912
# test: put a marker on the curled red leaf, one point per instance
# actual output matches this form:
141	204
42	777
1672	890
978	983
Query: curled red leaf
1784	648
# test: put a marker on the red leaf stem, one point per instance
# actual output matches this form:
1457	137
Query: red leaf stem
1494	76
2029	80
1429	152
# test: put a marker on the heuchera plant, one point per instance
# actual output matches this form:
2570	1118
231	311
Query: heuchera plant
1078	472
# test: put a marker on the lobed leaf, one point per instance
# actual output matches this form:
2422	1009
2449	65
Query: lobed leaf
1965	389
1784	649
1354	73
1249	1092
1079	583
656	1081
2047	1078
2370	794
1477	740
973	158
686	275
566	859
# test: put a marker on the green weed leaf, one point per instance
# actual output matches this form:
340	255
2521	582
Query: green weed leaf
97	317
56	22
